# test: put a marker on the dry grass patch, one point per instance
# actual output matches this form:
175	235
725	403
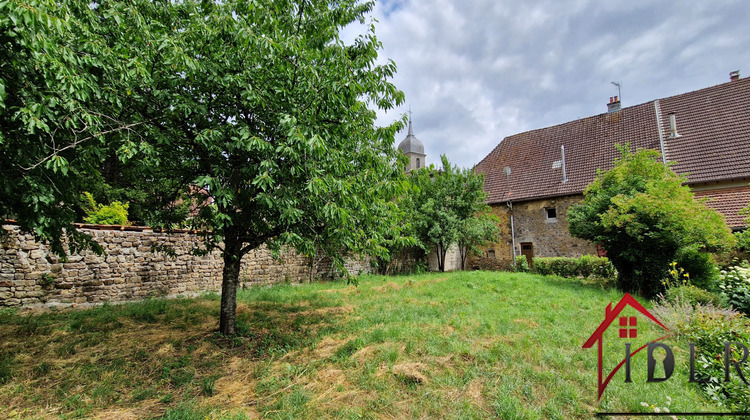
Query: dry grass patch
527	322
411	373
474	393
388	287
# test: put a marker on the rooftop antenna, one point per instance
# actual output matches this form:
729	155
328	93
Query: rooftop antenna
618	84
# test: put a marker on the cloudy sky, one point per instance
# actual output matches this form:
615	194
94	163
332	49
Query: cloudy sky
476	71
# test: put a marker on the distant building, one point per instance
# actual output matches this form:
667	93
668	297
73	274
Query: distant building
532	178
412	147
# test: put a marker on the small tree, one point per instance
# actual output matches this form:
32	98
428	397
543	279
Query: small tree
264	106
475	232
450	209
642	214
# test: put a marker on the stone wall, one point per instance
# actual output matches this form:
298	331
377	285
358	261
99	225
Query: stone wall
130	270
406	261
452	259
549	237
496	256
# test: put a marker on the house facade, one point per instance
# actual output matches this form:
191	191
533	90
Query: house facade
532	178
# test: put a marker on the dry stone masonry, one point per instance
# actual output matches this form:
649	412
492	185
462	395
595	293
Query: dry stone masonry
30	275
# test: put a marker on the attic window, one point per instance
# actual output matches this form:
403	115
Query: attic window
551	213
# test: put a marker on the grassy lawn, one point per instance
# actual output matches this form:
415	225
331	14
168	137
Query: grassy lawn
453	345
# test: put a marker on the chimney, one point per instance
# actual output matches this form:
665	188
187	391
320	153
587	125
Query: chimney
735	75
614	104
673	126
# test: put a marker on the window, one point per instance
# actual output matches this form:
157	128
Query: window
551	212
491	253
417	163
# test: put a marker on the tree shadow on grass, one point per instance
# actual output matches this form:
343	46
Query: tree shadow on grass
264	329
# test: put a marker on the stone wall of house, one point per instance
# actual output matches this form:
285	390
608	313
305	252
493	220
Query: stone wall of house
496	256
130	269
549	237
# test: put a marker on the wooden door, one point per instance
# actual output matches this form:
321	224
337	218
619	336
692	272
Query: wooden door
527	249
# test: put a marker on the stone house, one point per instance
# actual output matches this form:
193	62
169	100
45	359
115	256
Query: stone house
532	178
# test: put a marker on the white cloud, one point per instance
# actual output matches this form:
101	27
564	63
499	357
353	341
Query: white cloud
476	72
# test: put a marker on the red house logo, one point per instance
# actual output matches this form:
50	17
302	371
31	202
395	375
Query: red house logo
628	329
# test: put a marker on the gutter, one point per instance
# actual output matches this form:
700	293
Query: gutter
512	232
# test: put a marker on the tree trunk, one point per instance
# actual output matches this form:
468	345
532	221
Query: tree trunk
464	251
440	251
229	283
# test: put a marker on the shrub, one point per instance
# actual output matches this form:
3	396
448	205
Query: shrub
692	295
701	268
709	333
642	214
596	266
734	284
522	264
743	240
709	327
100	214
542	266
586	266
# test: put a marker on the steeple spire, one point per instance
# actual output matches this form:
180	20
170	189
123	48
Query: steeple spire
413	148
411	132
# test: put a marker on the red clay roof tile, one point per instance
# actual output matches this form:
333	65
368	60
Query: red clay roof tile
728	202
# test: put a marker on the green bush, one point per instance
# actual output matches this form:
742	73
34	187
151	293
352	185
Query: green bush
692	295
542	266
100	214
522	264
734	284
586	266
743	240
701	268
641	212
709	333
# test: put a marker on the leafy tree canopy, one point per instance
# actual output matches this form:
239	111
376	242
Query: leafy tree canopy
60	87
450	209
254	111
642	214
266	117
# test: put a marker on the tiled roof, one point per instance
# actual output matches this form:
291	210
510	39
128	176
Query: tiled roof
589	145
714	129
714	144
728	202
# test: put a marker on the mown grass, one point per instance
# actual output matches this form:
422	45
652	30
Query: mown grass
454	345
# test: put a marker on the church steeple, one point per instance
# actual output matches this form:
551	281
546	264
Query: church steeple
413	148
